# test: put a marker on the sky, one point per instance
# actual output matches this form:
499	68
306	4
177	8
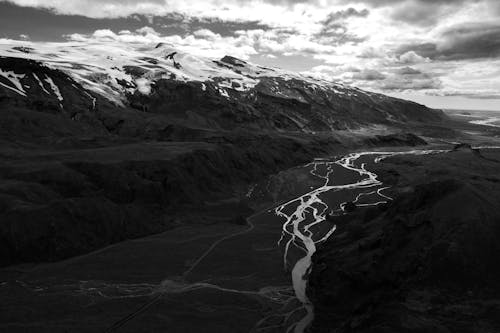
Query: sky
441	53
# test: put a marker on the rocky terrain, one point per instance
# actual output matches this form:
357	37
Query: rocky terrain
425	262
103	144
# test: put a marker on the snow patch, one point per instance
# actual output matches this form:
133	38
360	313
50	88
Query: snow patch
13	89
54	87
223	93
144	86
15	80
40	83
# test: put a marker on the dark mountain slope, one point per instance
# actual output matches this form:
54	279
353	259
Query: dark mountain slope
426	262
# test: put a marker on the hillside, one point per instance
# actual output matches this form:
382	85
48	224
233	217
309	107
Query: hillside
425	262
94	136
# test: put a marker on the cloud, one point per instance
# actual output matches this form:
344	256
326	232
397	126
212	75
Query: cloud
396	83
382	3
408	71
371	53
479	94
429	13
144	35
411	57
283	41
147	31
334	28
369	75
205	42
206	34
470	40
334	17
474	95
400	79
105	34
94	8
48	25
425	13
409	78
258	12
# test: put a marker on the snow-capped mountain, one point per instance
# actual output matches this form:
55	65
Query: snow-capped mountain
78	78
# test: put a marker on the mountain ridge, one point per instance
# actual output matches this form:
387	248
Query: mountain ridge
225	93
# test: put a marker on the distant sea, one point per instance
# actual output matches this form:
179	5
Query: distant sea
479	117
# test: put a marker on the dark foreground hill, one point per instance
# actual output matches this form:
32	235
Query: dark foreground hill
426	262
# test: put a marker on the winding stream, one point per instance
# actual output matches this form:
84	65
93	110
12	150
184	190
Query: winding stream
236	274
303	216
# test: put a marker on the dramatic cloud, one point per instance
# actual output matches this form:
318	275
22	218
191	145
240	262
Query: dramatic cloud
460	42
334	17
393	79
424	13
408	71
334	29
438	48
201	42
471	40
44	24
410	79
411	57
369	75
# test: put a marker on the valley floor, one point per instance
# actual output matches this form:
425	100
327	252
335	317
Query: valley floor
148	236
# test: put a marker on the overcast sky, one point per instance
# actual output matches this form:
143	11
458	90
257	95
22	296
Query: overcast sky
443	53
